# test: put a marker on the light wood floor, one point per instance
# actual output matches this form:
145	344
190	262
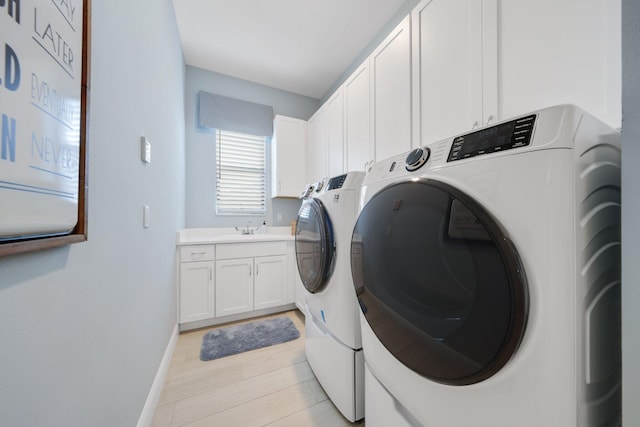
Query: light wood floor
272	386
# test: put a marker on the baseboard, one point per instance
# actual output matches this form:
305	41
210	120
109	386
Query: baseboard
235	317
146	417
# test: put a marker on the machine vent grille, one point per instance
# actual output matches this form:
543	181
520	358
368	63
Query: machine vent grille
599	270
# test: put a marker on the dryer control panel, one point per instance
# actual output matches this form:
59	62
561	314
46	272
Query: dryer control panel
504	136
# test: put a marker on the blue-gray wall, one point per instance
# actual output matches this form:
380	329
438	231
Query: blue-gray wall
83	328
630	212
200	152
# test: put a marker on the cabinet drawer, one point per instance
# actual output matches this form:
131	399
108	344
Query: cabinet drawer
245	250
197	253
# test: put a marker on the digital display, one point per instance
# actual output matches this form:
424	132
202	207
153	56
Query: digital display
505	136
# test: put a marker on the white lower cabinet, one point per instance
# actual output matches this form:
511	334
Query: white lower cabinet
247	284
197	283
197	300
236	279
270	281
234	293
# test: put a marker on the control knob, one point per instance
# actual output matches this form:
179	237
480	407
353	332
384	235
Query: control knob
417	158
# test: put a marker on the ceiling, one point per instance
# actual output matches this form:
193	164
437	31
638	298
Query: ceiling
301	46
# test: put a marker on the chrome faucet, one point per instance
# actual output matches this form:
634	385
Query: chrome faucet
247	229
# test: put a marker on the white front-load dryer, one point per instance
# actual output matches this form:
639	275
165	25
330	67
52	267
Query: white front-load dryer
487	269
333	343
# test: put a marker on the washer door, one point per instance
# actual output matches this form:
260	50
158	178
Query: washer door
439	282
314	245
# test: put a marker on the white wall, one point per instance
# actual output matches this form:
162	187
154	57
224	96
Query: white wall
83	328
630	212
200	157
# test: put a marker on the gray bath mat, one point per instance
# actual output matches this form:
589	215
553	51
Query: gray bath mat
249	336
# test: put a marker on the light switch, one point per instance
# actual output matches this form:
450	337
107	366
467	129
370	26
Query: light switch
145	147
145	216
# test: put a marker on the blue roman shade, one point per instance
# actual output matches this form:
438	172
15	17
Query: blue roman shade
221	112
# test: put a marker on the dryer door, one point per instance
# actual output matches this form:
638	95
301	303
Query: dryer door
439	282
314	245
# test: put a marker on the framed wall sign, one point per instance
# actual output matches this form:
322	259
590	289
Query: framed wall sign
44	97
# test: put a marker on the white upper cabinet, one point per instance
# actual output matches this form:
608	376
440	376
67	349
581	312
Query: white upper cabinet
318	150
288	156
357	119
369	116
391	74
554	52
478	61
448	72
334	112
454	65
326	139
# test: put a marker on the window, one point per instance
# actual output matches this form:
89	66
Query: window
240	175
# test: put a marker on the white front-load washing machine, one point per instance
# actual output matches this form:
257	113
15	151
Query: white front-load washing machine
333	343
487	269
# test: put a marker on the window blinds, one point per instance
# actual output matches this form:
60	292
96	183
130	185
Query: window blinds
240	164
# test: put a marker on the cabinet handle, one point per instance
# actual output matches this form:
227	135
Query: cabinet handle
210	274
489	119
250	271
474	125
256	270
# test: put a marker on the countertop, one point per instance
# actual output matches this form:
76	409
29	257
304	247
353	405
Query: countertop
203	236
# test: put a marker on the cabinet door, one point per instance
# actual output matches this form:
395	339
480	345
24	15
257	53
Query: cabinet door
357	119
391	68
334	112
318	149
270	284
197	291
560	52
234	286
288	156
447	51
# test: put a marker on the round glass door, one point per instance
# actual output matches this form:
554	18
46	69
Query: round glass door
439	282
314	245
